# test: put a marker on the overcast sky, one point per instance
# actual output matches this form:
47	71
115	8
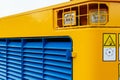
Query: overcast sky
9	7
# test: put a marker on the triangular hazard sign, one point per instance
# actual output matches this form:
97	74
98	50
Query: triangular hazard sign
109	41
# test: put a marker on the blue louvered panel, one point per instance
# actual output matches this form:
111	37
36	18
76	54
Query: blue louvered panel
14	68
33	64
57	66
3	59
35	59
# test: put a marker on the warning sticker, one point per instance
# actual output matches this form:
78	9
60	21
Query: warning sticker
109	47
109	39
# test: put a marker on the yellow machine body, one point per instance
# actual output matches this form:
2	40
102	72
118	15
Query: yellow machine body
87	40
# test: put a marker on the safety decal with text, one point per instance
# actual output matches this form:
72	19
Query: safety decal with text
109	47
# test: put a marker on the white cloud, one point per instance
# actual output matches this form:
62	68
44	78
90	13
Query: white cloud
9	7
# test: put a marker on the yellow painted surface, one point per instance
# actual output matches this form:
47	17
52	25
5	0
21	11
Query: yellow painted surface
87	40
119	71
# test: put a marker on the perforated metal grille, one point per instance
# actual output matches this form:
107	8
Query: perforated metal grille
36	59
82	14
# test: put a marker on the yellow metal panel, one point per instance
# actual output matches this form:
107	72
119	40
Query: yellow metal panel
88	64
114	13
119	70
88	61
34	24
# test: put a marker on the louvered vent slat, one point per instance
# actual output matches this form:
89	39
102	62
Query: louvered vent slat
33	55
56	74
3	66
56	58
3	74
58	69
62	45
14	61
33	50
15	69
34	65
48	77
3	43
36	45
14	53
26	77
13	77
32	69
3	48
2	70
2	59
16	74
15	44
14	49
2	77
35	75
3	51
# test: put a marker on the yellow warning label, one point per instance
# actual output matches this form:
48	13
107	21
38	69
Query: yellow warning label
109	39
